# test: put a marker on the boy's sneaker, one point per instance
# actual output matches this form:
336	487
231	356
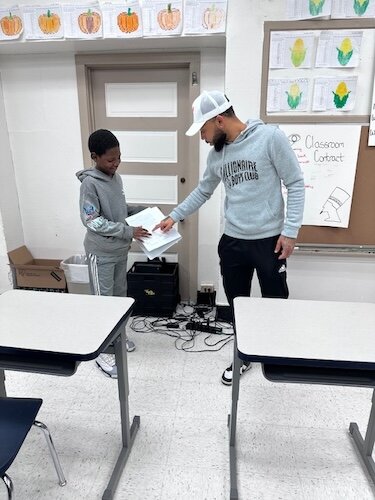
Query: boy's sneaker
227	375
106	362
130	346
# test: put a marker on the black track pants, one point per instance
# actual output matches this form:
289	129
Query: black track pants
239	258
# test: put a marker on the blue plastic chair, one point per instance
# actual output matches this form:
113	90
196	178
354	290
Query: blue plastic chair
17	416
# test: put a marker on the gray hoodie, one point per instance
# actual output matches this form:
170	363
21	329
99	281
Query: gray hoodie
103	211
251	168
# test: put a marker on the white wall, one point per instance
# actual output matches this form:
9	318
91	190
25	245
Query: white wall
41	104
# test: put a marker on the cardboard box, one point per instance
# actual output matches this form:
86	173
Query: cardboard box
36	273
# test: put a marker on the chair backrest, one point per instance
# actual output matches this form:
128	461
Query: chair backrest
17	415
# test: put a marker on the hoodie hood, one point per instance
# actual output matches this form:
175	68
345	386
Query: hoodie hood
251	126
92	172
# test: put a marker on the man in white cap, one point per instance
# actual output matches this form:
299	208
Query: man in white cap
251	159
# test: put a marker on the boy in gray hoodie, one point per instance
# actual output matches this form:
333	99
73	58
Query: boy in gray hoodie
251	159
108	238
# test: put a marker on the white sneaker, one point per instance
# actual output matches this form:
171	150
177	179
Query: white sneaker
130	346
227	375
106	362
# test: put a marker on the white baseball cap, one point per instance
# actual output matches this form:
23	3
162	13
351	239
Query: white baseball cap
207	106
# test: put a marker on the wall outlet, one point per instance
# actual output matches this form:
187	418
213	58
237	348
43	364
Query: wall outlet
207	287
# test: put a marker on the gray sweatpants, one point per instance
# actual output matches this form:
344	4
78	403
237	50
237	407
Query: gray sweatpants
108	274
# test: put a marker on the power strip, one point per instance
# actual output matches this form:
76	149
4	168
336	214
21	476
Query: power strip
202	327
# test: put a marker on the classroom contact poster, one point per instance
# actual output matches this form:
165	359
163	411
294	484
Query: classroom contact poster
328	157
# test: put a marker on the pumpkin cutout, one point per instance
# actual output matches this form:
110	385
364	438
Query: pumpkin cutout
11	25
169	18
213	17
49	23
128	22
89	22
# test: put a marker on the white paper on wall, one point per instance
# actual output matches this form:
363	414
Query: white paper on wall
11	23
338	49
291	49
162	18
371	137
307	9
328	156
83	20
332	93
352	8
43	23
286	94
122	19
202	17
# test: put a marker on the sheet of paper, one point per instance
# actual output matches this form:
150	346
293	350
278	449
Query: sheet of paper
162	18
159	242
352	8
285	94
338	49
328	156
11	26
43	23
307	9
202	17
291	49
83	20
371	134
122	19
332	93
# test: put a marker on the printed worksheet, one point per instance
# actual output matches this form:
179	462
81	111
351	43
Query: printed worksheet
333	93
307	9
11	23
83	20
159	242
338	49
284	94
43	23
162	18
352	8
202	17
292	49
122	19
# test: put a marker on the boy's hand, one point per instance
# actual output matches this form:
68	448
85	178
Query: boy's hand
139	233
165	225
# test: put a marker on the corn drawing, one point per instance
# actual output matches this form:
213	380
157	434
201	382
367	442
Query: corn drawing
298	52
294	96
341	95
345	52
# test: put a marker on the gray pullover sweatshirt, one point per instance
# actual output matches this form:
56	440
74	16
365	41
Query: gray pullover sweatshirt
251	168
103	211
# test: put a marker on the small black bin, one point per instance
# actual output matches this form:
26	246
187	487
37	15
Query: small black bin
155	288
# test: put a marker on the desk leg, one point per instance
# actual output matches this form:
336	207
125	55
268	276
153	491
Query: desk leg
128	433
232	422
365	446
3	391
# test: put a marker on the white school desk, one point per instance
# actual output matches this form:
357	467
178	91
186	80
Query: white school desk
306	341
52	333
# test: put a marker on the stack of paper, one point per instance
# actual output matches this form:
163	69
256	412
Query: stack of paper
159	242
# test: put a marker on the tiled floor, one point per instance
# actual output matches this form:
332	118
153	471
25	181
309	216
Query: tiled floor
293	440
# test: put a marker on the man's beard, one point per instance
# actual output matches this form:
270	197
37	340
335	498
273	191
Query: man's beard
219	141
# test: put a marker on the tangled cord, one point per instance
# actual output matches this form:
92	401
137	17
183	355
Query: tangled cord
185	338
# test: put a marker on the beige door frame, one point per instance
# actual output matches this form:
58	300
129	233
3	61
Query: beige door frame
87	63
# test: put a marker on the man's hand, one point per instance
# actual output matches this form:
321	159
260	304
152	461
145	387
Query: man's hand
165	225
139	233
285	246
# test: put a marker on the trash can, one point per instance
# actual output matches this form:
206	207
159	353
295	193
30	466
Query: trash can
77	274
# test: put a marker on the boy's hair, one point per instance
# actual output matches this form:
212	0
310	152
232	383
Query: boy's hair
101	140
